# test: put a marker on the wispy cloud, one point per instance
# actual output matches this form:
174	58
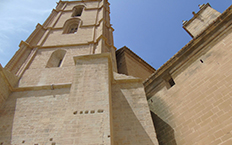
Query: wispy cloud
3	46
18	19
2	36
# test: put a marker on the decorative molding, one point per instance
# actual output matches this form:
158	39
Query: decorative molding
51	17
5	78
69	23
23	46
81	1
23	43
27	62
44	87
123	81
86	9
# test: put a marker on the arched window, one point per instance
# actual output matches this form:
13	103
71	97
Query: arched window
77	11
56	58
71	25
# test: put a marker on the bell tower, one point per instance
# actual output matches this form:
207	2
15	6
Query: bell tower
74	28
66	89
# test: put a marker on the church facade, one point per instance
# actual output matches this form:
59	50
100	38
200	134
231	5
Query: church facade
67	84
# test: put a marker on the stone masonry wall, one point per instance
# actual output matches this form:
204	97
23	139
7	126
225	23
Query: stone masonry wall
5	91
90	16
130	64
132	124
56	37
48	76
89	102
60	116
202	21
33	117
197	109
7	79
136	69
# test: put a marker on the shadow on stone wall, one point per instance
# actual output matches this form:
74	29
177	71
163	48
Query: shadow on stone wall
165	133
127	127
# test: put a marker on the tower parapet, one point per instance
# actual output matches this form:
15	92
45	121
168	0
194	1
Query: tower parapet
201	20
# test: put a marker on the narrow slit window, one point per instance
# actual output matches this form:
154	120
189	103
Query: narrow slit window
59	64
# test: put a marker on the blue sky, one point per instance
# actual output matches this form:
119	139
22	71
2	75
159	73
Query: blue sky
150	28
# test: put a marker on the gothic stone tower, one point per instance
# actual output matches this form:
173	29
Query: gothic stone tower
61	86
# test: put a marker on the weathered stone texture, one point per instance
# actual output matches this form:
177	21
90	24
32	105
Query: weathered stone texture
57	37
7	80
5	91
43	55
18	61
129	63
131	117
48	76
137	69
90	16
63	89
92	4
89	96
33	117
201	20
197	109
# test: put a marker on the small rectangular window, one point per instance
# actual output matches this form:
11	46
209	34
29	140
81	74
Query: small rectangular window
171	82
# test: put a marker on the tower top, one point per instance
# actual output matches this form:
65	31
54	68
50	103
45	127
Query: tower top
201	20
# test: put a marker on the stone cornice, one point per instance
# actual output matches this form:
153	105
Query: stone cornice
23	43
5	78
64	45
69	45
123	81
32	88
86	9
44	87
34	33
81	26
194	47
80	1
105	39
23	46
50	17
